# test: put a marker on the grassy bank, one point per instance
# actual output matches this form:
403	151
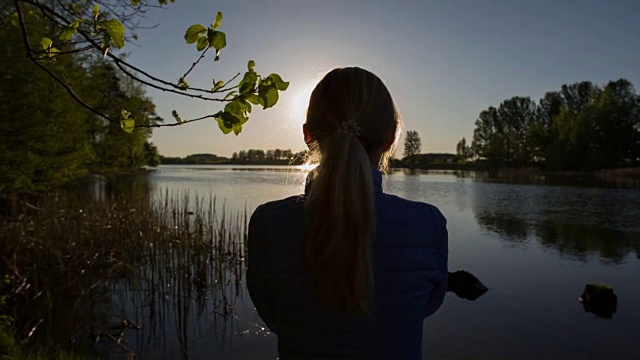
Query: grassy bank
63	256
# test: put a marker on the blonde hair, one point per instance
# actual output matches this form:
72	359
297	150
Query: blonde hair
351	120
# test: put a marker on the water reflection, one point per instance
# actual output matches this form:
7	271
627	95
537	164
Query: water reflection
577	222
185	313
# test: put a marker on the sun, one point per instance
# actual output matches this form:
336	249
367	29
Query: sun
297	107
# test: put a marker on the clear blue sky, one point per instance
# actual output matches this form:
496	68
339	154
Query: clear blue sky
443	61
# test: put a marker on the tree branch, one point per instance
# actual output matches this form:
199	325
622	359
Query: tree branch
25	40
115	58
123	65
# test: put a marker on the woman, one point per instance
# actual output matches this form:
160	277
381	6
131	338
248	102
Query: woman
346	271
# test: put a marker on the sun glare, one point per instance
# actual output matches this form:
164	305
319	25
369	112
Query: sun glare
306	167
297	108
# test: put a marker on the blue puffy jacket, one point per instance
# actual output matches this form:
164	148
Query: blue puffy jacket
410	280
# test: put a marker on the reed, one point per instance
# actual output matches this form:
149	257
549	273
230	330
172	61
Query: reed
74	261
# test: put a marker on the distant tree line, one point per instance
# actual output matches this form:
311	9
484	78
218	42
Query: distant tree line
194	159
580	127
249	157
271	156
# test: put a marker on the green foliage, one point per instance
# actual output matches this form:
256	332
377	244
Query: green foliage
252	89
67	33
152	157
207	37
218	21
580	127
126	123
46	139
217	40
46	43
103	27
194	32
176	116
43	133
114	31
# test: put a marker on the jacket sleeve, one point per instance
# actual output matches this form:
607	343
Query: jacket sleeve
257	283
441	259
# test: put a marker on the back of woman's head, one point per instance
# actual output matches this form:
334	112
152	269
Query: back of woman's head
351	127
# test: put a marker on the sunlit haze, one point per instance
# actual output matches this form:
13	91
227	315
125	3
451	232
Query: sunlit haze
443	61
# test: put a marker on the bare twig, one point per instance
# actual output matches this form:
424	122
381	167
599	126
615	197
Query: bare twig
195	63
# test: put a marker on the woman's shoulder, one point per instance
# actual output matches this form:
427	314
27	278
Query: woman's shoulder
278	208
401	207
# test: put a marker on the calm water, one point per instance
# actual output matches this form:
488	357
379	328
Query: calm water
533	246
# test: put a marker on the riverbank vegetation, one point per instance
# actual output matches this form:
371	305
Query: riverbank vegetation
65	259
73	105
47	140
581	127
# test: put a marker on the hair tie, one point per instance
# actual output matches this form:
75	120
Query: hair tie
349	128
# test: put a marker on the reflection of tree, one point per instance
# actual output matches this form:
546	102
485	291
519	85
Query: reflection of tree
576	240
574	222
511	229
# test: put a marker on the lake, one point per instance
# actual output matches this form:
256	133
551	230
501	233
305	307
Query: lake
534	246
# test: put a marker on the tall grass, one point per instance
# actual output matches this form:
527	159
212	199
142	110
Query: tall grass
75	261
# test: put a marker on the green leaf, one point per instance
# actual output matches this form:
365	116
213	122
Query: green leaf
194	32
67	33
223	127
183	84
218	85
127	125
96	11
279	83
250	65
254	99
230	95
176	116
217	39
202	44
248	82
115	30
125	114
218	21
135	2
237	129
14	19
236	108
247	105
46	43
268	97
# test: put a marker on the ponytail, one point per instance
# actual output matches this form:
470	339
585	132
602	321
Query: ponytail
350	120
339	240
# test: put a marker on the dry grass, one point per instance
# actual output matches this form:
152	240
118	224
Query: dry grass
67	258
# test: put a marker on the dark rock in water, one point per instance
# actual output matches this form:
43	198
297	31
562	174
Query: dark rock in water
465	285
600	300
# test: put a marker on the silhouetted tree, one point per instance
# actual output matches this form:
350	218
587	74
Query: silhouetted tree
412	144
582	126
463	150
